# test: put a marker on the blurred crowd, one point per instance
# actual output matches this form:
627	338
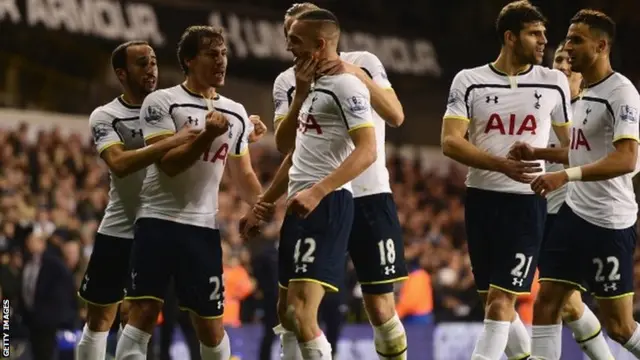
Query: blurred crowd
54	189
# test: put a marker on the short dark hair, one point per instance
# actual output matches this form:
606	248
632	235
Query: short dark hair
514	15
596	20
298	8
319	15
191	40
119	54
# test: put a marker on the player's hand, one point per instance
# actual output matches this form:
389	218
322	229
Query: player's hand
544	184
259	128
264	211
185	135
335	67
216	123
305	70
520	171
304	202
521	151
249	226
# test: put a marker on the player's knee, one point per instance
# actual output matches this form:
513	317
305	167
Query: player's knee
619	329
210	332
500	307
380	307
572	309
124	312
549	303
100	318
144	313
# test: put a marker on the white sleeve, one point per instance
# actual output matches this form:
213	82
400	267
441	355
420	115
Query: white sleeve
355	103
281	97
155	117
104	134
241	144
457	103
561	115
625	104
374	68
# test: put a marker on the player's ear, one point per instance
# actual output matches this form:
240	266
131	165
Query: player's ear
121	74
603	44
510	37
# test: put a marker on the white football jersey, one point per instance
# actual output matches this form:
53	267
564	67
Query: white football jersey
117	123
604	113
504	109
556	198
335	106
190	197
375	179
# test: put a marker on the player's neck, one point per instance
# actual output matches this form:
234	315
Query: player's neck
198	88
509	65
130	99
600	70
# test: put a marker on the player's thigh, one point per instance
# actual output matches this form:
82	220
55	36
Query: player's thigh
152	259
199	273
480	212
107	273
610	262
289	236
319	251
561	253
376	245
517	241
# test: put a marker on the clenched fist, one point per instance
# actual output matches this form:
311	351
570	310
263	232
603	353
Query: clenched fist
259	128
216	123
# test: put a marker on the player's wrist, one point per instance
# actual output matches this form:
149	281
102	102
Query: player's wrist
321	190
574	173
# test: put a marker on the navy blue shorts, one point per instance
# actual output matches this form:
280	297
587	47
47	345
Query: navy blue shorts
315	249
376	246
504	234
107	273
579	252
191	255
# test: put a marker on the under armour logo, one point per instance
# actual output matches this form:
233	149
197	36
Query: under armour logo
86	281
301	268
220	304
492	98
133	279
136	132
537	96
586	115
389	269
610	287
192	121
517	281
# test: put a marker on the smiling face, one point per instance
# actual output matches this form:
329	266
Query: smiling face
140	75
582	46
210	64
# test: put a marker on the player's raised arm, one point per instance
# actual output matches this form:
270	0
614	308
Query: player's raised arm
355	103
455	125
123	162
384	100
621	161
305	70
240	167
158	125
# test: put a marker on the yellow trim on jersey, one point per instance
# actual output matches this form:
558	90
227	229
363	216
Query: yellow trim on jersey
134	298
97	304
388	88
560	124
388	281
361	126
163	132
329	287
509	291
582	288
613	297
244	152
456	117
184	308
626	137
108	145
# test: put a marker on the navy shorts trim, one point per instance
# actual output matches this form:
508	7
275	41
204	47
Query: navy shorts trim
105	279
376	244
314	249
189	254
504	235
581	253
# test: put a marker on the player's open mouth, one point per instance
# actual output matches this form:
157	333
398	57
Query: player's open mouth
219	74
150	81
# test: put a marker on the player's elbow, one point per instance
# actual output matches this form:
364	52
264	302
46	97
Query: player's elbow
396	119
283	145
448	142
628	165
368	152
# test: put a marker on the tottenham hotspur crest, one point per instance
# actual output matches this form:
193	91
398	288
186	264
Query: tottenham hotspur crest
230	130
